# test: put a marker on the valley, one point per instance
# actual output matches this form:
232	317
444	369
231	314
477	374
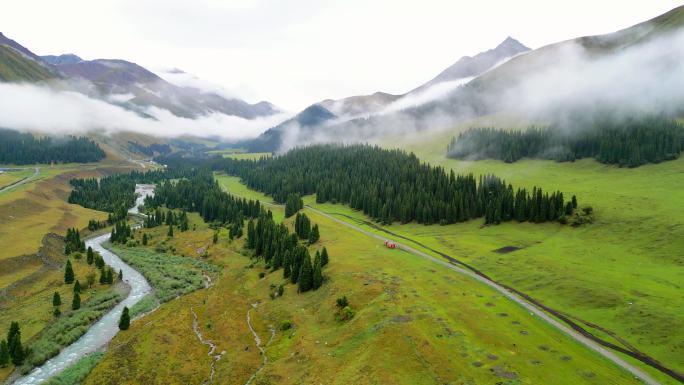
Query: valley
431	201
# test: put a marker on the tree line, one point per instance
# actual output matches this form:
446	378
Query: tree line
624	142
392	185
24	148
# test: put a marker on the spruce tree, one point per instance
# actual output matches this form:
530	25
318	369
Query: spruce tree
305	278
314	235
56	312
125	320
56	299
144	240
324	257
103	276
16	350
90	256
215	239
76	302
4	354
120	277
170	232
77	287
68	273
317	275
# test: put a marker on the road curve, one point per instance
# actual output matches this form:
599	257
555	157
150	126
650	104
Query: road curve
636	372
20	182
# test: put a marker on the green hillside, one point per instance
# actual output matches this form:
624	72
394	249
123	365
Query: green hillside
16	67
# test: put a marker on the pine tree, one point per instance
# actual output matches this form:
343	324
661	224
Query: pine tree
314	235
76	302
77	287
324	257
125	320
305	278
144	240
317	275
215	239
103	276
99	262
90	257
68	273
56	312
56	299
120	277
16	350
4	354
170	232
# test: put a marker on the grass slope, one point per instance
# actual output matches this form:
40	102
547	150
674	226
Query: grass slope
16	67
416	323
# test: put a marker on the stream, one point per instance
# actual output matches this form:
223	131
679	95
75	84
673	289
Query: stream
103	330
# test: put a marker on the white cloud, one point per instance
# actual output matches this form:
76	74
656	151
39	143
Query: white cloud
36	108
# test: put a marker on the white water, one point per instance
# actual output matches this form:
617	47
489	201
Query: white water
106	327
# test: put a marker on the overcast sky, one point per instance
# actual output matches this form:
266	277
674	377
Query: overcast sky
297	52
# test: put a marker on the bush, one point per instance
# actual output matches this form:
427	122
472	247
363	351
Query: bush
342	302
285	325
346	314
588	210
262	275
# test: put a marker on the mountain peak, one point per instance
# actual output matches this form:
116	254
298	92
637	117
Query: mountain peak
511	44
68	58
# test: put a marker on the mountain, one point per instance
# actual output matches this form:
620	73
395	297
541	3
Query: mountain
17	63
360	104
135	87
68	58
120	82
303	124
468	67
361	109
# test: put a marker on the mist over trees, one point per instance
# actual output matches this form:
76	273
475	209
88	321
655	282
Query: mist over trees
627	143
24	148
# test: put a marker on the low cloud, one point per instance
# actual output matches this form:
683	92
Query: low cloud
46	110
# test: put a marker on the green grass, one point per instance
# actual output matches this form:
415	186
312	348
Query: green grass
239	154
416	322
623	272
15	67
10	177
76	373
234	186
70	326
170	275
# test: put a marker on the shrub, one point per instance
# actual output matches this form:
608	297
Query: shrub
285	325
342	302
346	314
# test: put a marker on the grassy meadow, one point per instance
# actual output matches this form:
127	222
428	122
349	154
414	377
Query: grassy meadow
416	322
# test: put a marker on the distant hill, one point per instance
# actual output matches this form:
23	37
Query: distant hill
467	66
120	82
135	87
303	124
17	63
362	108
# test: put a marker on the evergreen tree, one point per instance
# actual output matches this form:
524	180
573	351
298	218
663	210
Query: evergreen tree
56	299
125	320
170	232
99	262
77	287
90	256
144	239
76	302
317	280
324	257
120	277
68	273
314	235
56	312
103	276
4	354
215	239
306	275
16	349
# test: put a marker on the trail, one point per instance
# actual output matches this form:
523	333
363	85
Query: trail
577	332
257	342
21	181
210	343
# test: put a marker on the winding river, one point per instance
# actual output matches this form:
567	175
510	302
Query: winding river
102	331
